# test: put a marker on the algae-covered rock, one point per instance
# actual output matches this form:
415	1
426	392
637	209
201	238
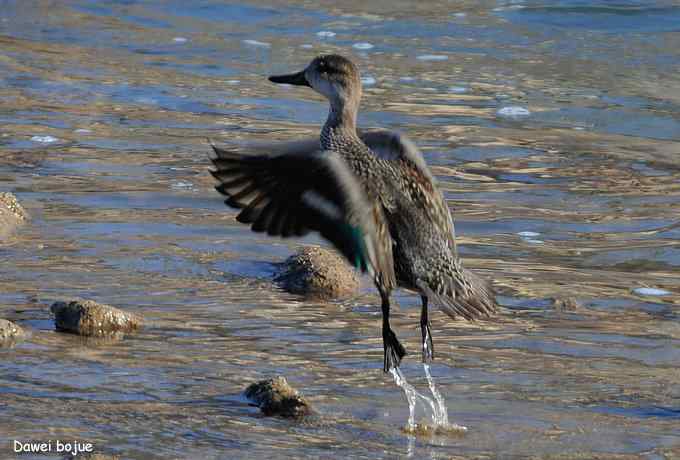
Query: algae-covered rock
89	318
12	214
319	272
276	397
10	332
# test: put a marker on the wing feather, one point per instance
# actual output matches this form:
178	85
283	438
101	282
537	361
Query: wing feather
295	192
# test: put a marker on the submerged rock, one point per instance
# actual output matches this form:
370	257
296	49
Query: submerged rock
89	318
12	214
320	273
9	332
276	397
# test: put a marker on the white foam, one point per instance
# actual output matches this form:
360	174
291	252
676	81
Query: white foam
233	82
407	79
362	46
368	81
651	291
532	241
528	234
44	139
146	100
257	43
509	7
325	34
182	185
307	46
432	57
82	131
458	89
513	112
459	15
180	40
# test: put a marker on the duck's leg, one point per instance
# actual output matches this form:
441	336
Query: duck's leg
428	348
394	350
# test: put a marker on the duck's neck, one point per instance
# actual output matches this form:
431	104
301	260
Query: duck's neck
341	126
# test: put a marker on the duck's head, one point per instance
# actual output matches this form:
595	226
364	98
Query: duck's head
331	75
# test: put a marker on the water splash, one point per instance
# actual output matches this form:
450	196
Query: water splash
410	393
412	396
439	414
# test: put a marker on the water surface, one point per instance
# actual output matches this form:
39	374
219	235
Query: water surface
552	126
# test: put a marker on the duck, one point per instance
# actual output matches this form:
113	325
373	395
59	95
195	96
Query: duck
369	193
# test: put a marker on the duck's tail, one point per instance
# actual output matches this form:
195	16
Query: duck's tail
459	292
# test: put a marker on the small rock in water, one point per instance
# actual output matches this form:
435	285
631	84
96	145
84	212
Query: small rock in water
318	272
513	112
566	304
89	318
257	43
12	214
180	40
9	202
432	57
10	332
325	34
362	46
44	139
368	81
651	291
276	397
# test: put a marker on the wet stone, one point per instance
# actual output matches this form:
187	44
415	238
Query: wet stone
12	214
276	397
89	318
566	304
318	272
10	332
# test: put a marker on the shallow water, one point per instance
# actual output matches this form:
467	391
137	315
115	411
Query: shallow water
559	119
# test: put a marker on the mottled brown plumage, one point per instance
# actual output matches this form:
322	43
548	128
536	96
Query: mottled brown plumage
412	230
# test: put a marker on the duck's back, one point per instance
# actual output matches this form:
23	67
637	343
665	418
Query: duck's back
421	226
419	219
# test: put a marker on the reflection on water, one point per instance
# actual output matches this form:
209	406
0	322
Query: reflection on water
553	130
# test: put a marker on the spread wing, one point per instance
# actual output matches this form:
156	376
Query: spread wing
387	145
298	191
